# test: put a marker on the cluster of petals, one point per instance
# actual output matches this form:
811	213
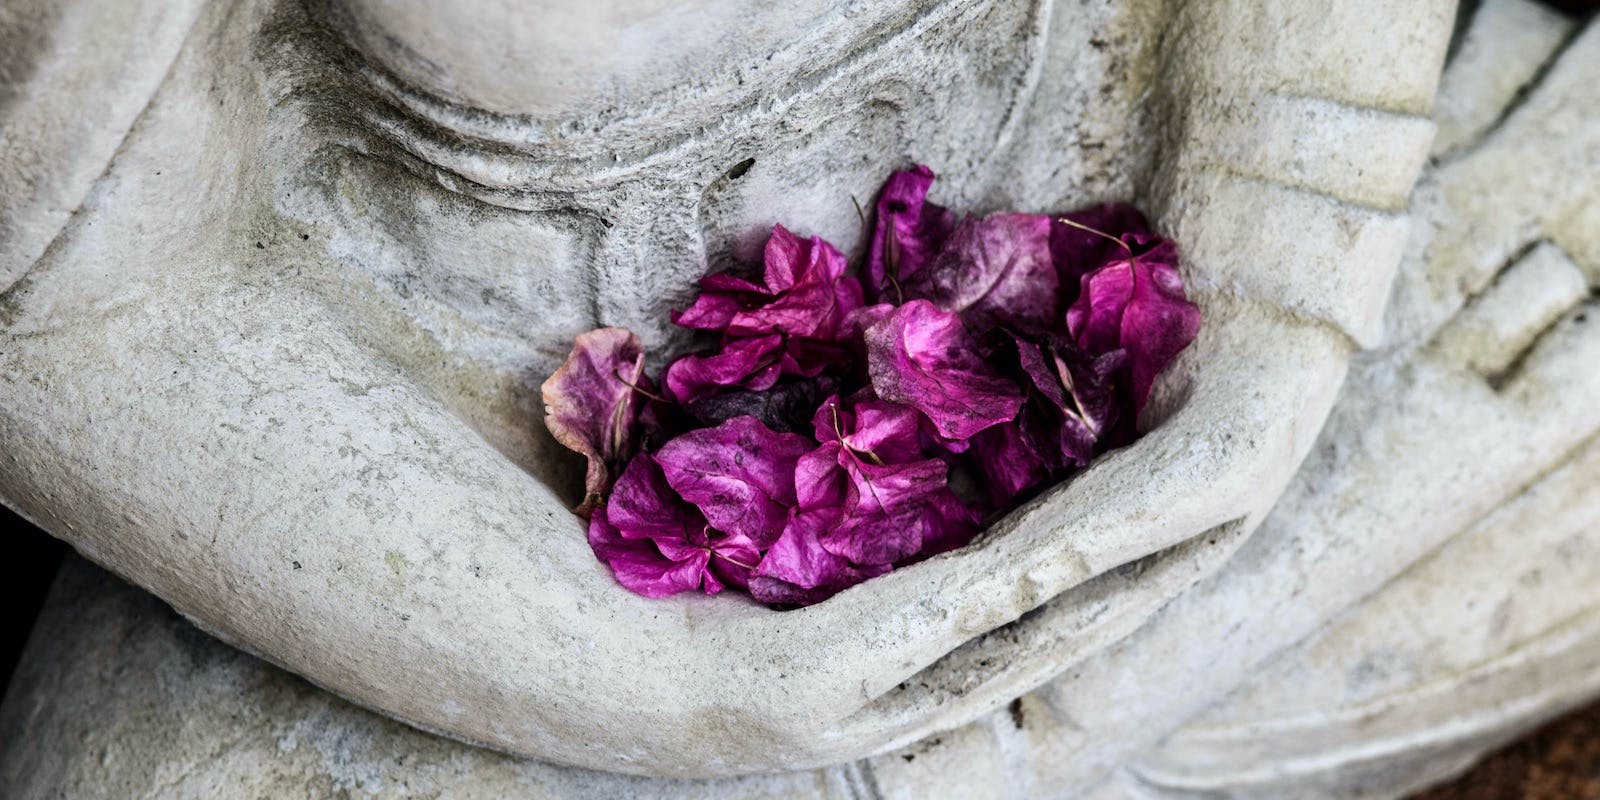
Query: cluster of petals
848	422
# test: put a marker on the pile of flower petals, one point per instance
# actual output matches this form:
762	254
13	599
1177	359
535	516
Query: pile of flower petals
843	426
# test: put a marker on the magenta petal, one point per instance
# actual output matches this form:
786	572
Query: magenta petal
948	524
1136	304
797	570
819	480
883	513
746	363
640	566
1159	322
908	231
1078	252
995	271
643	504
924	357
740	474
1011	462
874	429
591	406
811	294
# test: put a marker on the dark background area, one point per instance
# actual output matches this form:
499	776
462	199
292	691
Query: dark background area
26	570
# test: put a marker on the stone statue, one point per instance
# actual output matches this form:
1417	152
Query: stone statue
271	329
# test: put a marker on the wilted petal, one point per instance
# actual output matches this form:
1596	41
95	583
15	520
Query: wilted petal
883	510
924	357
1136	304
641	567
807	294
877	430
752	363
811	294
1011	461
1077	252
908	231
995	271
740	474
591	407
644	505
948	524
798	570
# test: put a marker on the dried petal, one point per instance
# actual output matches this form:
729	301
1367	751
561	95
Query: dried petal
657	545
640	566
798	570
753	363
1078	252
877	430
807	294
1013	462
924	357
995	271
740	474
1136	303
908	232
591	405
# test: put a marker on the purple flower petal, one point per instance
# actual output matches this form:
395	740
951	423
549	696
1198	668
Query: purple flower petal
643	505
752	363
1011	461
591	406
924	358
807	294
948	524
995	271
1136	303
1078	252
874	429
798	570
908	231
740	475
641	567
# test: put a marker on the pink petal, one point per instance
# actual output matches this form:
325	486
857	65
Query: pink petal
740	474
996	271
797	570
908	231
640	566
924	358
746	363
591	408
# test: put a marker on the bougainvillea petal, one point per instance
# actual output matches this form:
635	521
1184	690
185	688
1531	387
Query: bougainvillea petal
798	570
925	358
883	510
807	293
877	430
753	363
740	474
996	271
948	524
1077	252
1136	303
811	294
591	405
644	505
641	567
908	233
1012	463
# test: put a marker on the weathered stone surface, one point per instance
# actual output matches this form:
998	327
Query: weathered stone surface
282	358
